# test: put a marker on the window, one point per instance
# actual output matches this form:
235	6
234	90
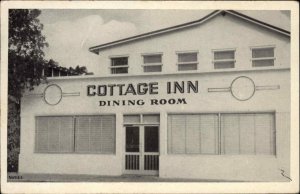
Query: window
230	134
193	134
224	59
119	65
187	61
142	119
263	57
80	134
152	63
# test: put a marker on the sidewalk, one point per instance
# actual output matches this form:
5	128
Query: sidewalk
16	177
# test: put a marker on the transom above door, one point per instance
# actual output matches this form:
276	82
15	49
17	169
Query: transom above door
141	144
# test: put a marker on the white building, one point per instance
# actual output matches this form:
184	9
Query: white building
208	99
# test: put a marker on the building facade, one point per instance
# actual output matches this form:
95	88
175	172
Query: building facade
208	99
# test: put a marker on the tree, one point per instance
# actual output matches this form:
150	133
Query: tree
25	64
25	70
78	70
25	50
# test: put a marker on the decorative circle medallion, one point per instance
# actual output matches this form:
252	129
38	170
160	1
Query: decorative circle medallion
242	88
52	94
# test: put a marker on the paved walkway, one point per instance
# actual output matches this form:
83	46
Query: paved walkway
15	177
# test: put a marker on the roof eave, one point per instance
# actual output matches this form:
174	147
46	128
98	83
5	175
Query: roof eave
96	49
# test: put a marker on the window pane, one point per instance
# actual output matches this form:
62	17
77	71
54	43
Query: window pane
219	55
119	61
209	134
264	132
41	134
95	134
132	139
192	134
53	134
224	65
151	139
119	70
132	119
152	59
156	68
187	67
177	137
82	134
187	57
108	134
66	134
151	119
262	52
263	63
247	134
230	134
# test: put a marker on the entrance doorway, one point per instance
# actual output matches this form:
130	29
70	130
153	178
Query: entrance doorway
142	148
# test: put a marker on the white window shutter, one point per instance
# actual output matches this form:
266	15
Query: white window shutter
209	133
82	133
41	134
66	142
192	134
108	134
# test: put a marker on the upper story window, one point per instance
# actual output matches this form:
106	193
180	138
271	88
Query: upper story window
263	56
224	59
152	62
119	65
187	61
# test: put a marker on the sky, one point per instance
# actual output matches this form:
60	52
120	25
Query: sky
71	32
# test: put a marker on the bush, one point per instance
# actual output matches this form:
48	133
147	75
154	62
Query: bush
13	136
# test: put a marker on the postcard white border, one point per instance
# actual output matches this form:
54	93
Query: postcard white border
249	187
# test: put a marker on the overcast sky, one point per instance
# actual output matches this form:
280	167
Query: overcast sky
71	32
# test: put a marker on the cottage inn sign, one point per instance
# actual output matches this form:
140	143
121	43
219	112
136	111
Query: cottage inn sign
241	88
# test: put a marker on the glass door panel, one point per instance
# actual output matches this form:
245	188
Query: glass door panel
151	139
132	139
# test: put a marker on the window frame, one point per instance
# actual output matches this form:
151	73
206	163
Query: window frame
214	61
141	119
74	136
188	63
143	55
111	67
262	58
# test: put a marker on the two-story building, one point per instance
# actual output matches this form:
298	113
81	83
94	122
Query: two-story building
208	99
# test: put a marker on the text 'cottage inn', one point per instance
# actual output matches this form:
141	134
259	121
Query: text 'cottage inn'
208	99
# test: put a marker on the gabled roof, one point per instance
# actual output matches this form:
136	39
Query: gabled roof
96	49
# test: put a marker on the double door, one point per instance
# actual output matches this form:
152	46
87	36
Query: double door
142	149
